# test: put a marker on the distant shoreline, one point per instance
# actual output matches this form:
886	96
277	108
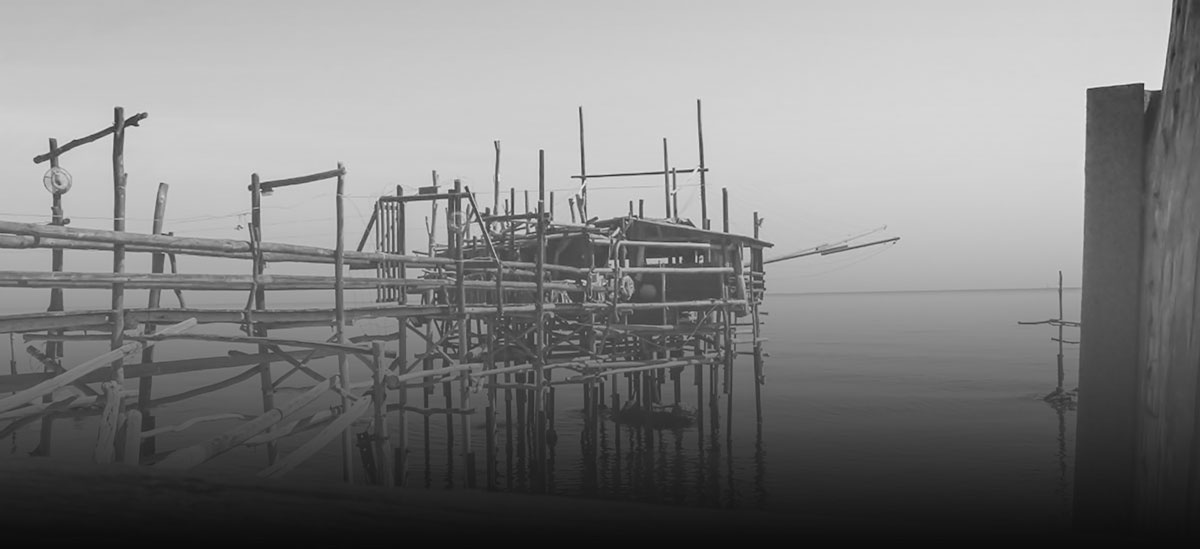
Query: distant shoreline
963	290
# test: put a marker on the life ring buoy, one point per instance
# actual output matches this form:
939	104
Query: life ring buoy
57	181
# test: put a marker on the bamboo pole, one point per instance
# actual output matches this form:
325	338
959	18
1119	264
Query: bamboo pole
146	384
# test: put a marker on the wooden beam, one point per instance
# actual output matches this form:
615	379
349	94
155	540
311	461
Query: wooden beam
134	120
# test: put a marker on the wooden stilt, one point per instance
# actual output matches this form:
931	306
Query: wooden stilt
106	453
340	325
146	383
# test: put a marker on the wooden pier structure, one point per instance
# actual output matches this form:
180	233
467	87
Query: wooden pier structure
508	307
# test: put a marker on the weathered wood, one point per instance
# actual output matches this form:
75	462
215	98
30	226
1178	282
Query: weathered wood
315	444
133	437
340	324
109	422
379	398
230	282
1109	307
192	422
702	169
134	120
118	290
22	242
192	456
635	174
268	186
190	393
157	265
74	374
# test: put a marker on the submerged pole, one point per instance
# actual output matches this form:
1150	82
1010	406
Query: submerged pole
340	319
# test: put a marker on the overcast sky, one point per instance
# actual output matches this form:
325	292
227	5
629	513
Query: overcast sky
958	124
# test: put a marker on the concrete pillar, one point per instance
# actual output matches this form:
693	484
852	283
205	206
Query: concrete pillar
1106	439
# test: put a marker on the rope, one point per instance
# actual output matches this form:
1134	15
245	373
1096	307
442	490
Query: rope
849	264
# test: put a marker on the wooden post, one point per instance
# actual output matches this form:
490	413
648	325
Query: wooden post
106	454
674	195
725	209
400	245
133	437
703	181
464	330
340	320
496	181
666	179
146	383
490	364
379	395
259	296
540	319
582	173
1059	387
54	349
752	296
1110	308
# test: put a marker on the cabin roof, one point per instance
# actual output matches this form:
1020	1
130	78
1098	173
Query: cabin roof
664	230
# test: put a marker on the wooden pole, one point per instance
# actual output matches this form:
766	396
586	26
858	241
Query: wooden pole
379	395
340	328
496	181
1059	387
107	453
146	383
753	299
259	295
582	172
666	179
401	453
464	329
674	195
54	349
725	209
540	320
133	437
703	170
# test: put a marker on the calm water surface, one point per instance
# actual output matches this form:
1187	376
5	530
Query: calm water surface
884	404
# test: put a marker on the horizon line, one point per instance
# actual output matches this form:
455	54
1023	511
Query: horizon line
918	291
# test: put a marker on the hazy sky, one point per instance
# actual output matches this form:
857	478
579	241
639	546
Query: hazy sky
958	124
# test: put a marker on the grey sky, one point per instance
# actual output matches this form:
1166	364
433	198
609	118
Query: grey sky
958	124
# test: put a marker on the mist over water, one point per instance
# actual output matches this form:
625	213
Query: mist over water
895	405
